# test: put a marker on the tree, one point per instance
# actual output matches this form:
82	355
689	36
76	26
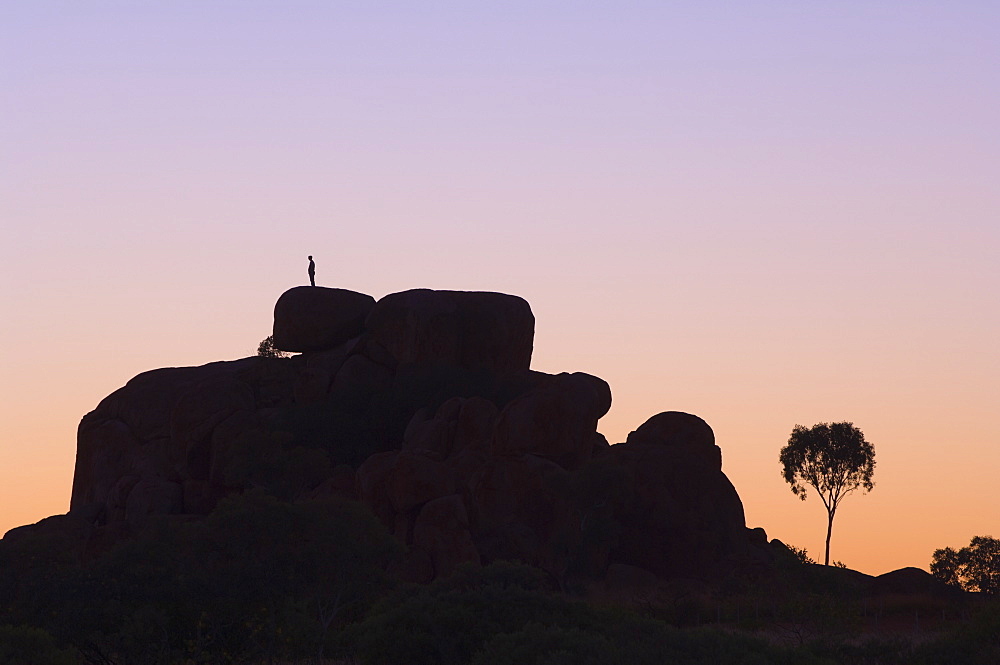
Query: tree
973	568
832	458
945	563
267	349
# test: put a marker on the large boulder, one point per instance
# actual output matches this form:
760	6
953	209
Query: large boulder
675	428
557	420
139	429
442	530
152	496
472	330
104	454
458	424
316	318
520	511
681	516
415	480
195	416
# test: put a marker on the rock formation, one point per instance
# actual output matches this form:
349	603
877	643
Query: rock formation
422	406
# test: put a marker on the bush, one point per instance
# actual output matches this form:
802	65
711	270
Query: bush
801	553
976	642
24	645
267	349
537	644
258	579
500	614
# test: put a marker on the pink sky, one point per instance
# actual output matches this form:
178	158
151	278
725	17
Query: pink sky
768	216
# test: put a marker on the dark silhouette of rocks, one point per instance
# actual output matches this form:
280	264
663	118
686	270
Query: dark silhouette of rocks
680	514
423	407
473	330
318	318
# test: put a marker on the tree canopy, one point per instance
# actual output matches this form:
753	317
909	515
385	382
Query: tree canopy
832	458
972	568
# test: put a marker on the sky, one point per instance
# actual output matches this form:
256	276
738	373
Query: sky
763	213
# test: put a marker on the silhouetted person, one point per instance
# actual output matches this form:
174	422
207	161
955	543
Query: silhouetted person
312	272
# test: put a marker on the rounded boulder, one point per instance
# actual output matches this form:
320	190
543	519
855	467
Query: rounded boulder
473	330
316	318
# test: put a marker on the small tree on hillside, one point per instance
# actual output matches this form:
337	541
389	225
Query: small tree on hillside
832	458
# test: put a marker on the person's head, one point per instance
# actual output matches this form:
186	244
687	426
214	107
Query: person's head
310	258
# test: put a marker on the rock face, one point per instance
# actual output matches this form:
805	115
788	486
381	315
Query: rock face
472	330
315	318
683	511
557	420
423	407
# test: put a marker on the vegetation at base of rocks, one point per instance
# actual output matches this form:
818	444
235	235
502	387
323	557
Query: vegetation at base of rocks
972	568
266	580
973	641
630	640
258	579
26	645
832	458
503	614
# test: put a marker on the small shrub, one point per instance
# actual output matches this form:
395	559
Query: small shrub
802	554
267	349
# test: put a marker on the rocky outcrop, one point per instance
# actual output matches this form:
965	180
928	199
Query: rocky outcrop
160	423
423	407
682	515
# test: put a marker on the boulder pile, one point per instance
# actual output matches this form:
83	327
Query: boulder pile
423	407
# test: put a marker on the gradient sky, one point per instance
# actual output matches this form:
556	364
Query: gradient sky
763	213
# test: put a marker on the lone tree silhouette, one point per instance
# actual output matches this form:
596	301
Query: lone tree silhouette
832	458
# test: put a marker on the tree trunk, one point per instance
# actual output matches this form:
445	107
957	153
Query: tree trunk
829	532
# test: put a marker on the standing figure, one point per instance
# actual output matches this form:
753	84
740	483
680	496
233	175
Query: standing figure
312	272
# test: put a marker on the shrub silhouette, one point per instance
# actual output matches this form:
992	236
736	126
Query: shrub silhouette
267	349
